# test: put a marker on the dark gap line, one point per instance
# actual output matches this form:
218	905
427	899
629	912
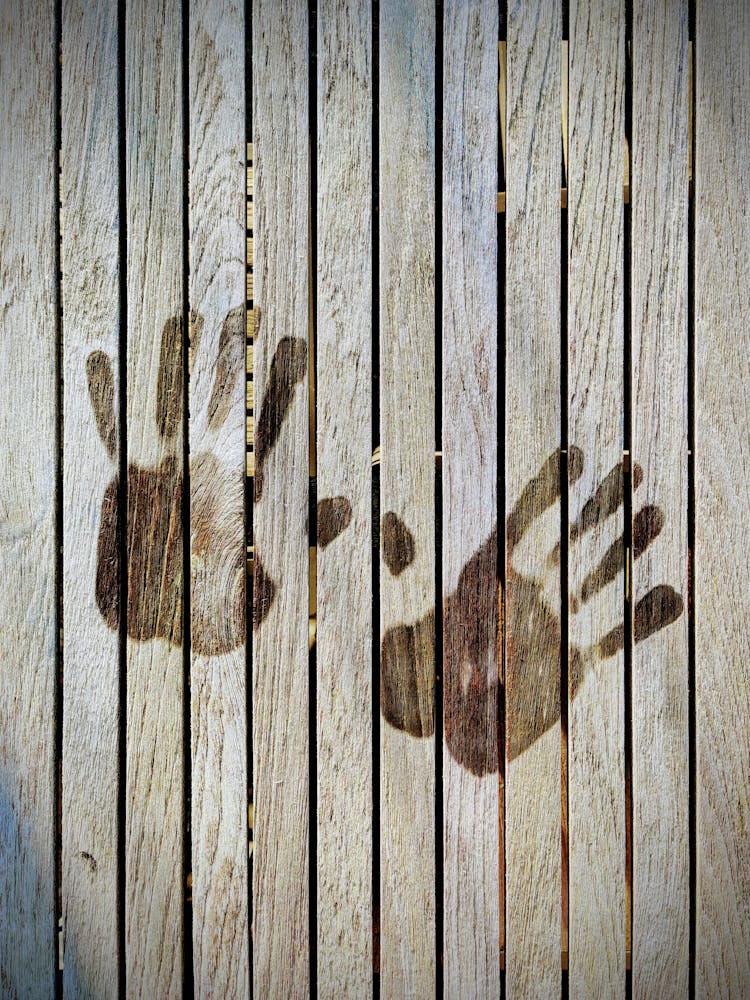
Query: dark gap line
122	498
692	758
375	513
564	583
59	525
187	847
628	497
439	639
249	495
312	495
501	513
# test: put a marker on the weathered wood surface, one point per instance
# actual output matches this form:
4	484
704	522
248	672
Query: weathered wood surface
471	958
280	650
89	207
344	467
154	784
407	497
659	198
596	720
28	619
532	433
218	624
722	473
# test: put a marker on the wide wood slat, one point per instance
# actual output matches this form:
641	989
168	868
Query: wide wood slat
661	887
471	957
218	625
28	620
344	467
154	783
89	207
596	688
722	474
281	565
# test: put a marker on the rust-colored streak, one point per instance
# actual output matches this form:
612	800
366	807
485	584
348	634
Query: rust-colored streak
288	369
264	592
407	677
169	382
230	362
101	384
398	544
334	516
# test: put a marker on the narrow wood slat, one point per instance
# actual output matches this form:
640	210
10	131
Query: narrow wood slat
154	785
661	889
532	600
217	500
281	573
344	466
90	298
28	621
470	594
722	515
596	722
407	497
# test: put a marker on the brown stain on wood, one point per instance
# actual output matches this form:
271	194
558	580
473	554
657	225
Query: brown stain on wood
406	657
229	363
101	383
169	380
398	544
264	592
334	516
288	370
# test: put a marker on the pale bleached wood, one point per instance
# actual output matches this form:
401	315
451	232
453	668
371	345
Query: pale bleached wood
154	786
596	724
28	621
722	504
221	963
532	668
280	651
661	890
471	958
344	559
407	492
90	299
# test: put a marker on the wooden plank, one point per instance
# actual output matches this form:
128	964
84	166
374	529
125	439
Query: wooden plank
722	472
407	497
28	621
344	466
89	193
532	667
281	568
661	890
471	957
596	718
154	887
221	962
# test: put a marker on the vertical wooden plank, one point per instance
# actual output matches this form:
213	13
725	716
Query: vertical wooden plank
722	472
344	466
154	889
532	678
28	621
407	496
89	185
596	721
470	650
280	652
661	891
217	499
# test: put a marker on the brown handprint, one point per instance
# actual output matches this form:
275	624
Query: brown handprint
154	498
533	638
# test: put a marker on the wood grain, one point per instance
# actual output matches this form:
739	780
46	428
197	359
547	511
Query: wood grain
407	491
154	886
661	898
344	466
89	208
471	957
722	473
532	666
221	964
281	567
28	418
596	721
